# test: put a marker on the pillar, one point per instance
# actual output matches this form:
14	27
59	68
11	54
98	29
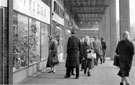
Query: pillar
104	26
107	34
1	45
100	28
113	29
9	76
124	16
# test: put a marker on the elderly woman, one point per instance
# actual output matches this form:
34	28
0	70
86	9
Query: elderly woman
87	47
125	50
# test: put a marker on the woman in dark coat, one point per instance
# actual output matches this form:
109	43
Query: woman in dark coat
125	50
88	62
52	54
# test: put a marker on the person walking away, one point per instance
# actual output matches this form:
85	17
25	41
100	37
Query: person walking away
125	50
87	48
52	54
82	61
103	43
73	50
97	49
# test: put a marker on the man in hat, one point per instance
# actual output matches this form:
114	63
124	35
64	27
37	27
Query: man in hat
73	50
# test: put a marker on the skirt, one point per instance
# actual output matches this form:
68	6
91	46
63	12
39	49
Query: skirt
125	66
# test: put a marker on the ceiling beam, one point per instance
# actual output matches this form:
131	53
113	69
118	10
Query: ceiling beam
96	6
90	12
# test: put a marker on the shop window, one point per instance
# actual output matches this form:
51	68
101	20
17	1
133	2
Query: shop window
20	41
34	41
44	41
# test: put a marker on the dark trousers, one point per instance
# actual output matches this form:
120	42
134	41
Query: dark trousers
97	58
70	69
104	54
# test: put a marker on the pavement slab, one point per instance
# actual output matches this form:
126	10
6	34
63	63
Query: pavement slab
103	74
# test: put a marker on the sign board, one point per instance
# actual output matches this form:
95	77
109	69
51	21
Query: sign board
3	3
33	8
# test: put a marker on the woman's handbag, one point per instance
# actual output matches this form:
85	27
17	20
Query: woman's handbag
116	61
55	60
91	55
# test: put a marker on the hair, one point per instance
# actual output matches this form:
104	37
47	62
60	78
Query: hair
86	39
102	38
125	35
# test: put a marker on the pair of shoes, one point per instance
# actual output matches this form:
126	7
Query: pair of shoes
73	74
53	71
121	83
50	71
76	77
88	73
67	77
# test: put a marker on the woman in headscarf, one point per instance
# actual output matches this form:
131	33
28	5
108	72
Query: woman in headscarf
125	50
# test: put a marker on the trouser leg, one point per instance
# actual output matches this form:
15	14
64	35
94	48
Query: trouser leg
77	71
72	71
68	71
85	67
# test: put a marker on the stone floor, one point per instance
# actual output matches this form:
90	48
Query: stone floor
103	74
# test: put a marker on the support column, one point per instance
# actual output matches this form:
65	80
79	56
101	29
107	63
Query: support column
104	26
113	29
107	33
100	28
1	46
9	76
124	16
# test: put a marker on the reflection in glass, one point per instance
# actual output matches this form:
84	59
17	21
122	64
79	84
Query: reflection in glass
34	41
44	41
20	41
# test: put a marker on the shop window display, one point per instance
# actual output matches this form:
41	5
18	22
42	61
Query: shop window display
20	41
44	41
34	41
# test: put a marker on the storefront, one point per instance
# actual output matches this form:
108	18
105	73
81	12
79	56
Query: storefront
31	22
58	26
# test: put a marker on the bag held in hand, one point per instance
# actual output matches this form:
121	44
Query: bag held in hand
55	61
116	61
91	55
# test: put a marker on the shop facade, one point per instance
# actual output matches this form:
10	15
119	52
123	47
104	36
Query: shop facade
29	39
57	26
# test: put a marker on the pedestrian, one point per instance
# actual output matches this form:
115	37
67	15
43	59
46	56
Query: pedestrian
52	55
82	62
97	49
87	48
125	50
72	60
103	43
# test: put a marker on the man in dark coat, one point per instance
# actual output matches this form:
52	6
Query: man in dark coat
103	48
73	50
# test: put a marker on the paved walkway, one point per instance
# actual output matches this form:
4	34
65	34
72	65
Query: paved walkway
103	74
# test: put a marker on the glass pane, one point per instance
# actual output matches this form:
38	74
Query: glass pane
34	41
44	41
20	41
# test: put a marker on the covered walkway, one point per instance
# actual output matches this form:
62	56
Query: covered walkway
103	74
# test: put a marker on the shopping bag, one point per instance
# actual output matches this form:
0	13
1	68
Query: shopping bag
116	61
55	60
91	55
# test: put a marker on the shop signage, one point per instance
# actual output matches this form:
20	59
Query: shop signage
58	15
3	3
33	8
